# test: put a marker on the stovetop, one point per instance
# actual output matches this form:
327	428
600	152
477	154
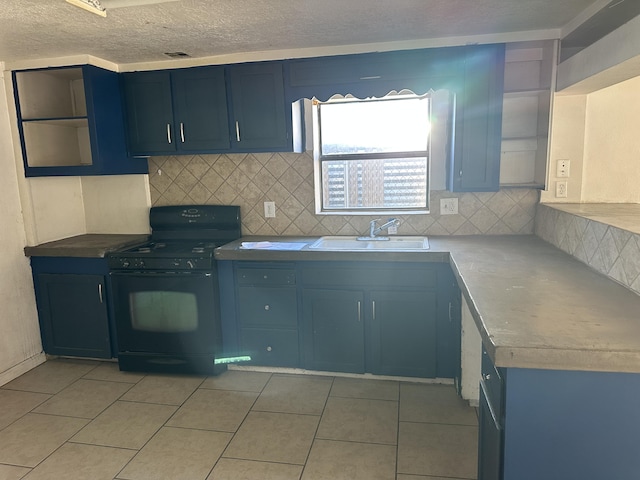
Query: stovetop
184	248
182	238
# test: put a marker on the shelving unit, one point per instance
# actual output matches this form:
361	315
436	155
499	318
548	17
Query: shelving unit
54	117
70	121
529	81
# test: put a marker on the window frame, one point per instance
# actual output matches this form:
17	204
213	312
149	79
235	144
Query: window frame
319	159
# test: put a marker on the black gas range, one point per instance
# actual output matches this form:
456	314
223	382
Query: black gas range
166	293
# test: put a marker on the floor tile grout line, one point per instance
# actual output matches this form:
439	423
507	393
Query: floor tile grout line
233	434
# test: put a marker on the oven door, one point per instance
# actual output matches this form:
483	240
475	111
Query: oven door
166	318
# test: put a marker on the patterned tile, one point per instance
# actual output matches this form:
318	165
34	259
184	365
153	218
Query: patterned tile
249	180
610	250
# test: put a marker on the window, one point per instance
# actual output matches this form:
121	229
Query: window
372	155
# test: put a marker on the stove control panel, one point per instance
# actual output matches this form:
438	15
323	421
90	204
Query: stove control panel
160	263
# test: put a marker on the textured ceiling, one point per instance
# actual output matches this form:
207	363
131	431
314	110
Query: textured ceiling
36	29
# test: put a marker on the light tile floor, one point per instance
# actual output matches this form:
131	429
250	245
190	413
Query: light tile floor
86	420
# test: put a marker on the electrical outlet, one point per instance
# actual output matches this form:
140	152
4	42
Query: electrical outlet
392	230
561	189
562	168
448	206
269	209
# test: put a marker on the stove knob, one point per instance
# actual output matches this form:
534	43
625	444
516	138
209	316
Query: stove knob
190	264
125	263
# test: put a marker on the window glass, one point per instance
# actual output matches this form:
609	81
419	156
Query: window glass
372	155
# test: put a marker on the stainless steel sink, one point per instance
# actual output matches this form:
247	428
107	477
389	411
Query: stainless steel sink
393	244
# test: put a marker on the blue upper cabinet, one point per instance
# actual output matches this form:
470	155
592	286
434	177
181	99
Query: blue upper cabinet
179	111
235	108
70	121
478	125
260	120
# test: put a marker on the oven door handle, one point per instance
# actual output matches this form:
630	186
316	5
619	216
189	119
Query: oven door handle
148	273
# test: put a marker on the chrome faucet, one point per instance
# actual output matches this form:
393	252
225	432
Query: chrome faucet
374	229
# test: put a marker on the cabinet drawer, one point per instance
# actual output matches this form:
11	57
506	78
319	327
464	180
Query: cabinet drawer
492	384
265	306
266	276
271	347
344	275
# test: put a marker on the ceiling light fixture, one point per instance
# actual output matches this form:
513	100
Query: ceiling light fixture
99	7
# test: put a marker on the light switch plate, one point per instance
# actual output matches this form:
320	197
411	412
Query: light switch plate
563	168
269	209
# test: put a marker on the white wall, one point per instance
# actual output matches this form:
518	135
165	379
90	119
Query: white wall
598	133
116	203
20	346
612	145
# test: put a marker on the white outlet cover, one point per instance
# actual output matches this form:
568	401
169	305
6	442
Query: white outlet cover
448	206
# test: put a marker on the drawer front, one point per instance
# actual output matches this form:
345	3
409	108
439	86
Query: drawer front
264	306
492	384
370	276
266	276
271	347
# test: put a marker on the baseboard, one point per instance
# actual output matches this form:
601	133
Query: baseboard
22	367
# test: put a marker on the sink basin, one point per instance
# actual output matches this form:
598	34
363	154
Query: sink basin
394	244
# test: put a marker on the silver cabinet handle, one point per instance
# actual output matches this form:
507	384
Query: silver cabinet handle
266	307
269	348
487	376
237	131
359	311
100	293
182	132
373	307
169	132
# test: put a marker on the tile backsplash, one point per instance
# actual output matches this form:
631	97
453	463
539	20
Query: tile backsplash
609	249
249	180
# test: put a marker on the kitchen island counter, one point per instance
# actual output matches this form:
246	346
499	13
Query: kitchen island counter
534	305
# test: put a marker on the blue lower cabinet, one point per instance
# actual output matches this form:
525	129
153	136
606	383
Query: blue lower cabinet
333	330
559	424
402	332
266	306
73	309
379	318
355	317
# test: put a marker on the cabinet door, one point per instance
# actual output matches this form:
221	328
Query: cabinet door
403	333
476	167
259	113
200	103
333	323
73	315
149	113
489	443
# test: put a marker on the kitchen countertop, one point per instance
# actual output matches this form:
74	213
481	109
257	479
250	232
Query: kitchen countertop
90	245
534	305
